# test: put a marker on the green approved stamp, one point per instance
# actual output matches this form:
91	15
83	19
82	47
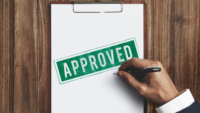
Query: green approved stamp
95	61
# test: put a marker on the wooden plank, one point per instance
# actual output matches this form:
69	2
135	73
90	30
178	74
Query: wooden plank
31	63
27	57
44	89
187	47
6	55
197	96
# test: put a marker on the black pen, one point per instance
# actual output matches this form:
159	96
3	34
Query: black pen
144	70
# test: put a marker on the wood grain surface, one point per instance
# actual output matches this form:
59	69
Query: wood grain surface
173	35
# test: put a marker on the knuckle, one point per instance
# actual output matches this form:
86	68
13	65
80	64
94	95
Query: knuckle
134	59
125	78
142	89
130	81
156	63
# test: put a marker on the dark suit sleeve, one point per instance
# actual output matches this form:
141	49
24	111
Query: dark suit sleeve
193	108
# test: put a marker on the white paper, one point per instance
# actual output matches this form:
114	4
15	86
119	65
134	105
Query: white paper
72	33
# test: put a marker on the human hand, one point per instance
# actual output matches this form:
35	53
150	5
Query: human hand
156	86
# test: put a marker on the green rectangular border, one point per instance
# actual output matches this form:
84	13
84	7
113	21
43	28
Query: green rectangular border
91	50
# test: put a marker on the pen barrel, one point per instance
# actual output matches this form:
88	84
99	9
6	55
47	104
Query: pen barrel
140	74
150	70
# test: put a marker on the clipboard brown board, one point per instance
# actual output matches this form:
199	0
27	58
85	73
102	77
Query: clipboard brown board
49	110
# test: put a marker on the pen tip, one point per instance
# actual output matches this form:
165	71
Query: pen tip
115	73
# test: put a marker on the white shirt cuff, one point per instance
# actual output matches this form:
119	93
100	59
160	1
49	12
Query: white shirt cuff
177	104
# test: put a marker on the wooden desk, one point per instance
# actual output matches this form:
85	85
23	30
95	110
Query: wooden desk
173	39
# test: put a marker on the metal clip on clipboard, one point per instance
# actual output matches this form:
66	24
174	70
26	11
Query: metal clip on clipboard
117	5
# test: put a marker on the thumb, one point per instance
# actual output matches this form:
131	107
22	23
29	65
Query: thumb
129	79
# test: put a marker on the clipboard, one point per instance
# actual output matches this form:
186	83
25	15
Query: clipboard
52	61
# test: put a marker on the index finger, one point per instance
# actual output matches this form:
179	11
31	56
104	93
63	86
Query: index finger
135	62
